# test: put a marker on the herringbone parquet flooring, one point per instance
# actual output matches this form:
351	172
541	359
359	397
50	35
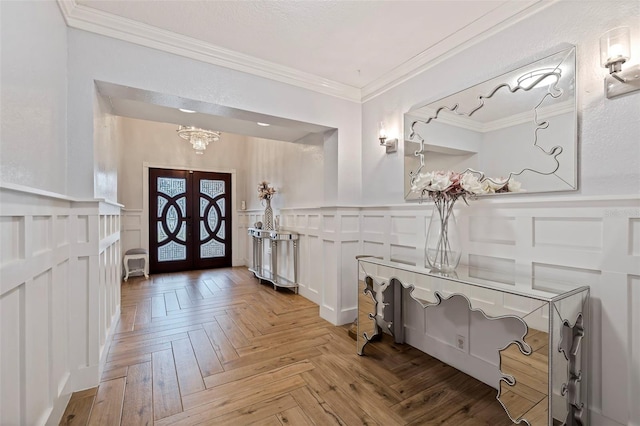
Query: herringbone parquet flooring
217	347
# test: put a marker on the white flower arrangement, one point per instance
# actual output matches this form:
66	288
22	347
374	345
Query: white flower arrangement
444	188
265	192
449	186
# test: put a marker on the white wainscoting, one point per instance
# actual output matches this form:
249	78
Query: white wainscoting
131	230
135	234
589	241
329	242
59	298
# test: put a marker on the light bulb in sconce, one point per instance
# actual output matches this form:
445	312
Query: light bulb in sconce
390	144
382	133
615	48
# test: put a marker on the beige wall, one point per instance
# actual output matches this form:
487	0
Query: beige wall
295	169
158	145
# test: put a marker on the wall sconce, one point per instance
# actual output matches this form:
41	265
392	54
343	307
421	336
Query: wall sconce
615	51
390	144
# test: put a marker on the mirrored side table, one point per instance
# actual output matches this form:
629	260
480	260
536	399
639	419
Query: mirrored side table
274	238
541	364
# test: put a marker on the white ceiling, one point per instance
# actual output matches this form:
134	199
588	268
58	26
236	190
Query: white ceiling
350	42
350	49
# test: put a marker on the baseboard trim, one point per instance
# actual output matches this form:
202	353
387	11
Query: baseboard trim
59	406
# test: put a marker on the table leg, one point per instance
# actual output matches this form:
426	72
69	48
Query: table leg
274	259
126	269
295	264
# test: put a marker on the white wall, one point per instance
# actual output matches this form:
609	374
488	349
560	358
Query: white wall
59	256
608	129
33	104
585	240
105	130
93	57
296	170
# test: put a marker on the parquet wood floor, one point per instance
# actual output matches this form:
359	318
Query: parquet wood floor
216	347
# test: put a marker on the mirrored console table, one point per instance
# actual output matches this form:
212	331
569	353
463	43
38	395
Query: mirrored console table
541	363
258	237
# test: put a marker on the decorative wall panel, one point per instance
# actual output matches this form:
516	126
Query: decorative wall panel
37	346
350	223
348	269
329	223
568	233
61	235
403	225
313	259
561	274
373	224
12	241
41	235
492	230
373	248
479	265
82	229
403	254
12	366
634	237
634	344
313	221
564	239
59	299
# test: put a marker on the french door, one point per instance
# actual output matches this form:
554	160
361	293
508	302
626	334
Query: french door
189	220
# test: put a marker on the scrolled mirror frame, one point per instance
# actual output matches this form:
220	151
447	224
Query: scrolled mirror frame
553	91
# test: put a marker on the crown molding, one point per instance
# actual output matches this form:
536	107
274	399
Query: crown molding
528	116
490	24
89	19
467	123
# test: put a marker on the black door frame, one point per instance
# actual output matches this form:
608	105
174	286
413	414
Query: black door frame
193	260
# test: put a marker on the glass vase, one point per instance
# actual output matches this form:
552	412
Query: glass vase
442	248
268	216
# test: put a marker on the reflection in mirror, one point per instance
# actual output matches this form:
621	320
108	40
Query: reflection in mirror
524	388
520	125
367	327
569	379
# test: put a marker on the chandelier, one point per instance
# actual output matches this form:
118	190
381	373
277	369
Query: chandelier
199	138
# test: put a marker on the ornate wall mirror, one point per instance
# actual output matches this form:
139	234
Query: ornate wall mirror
520	125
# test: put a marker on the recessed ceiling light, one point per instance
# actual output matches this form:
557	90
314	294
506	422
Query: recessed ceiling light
263	124
188	111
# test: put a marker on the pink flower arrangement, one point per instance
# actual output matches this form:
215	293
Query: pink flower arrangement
265	192
449	186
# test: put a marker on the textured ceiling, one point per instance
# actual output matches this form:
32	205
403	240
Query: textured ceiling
351	42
